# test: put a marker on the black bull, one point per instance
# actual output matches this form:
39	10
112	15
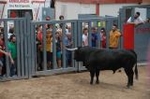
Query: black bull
96	60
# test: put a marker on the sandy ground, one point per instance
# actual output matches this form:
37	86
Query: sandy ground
76	86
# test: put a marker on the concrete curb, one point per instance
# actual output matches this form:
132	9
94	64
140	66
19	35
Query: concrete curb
142	63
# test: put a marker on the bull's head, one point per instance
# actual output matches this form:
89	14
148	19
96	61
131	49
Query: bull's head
77	53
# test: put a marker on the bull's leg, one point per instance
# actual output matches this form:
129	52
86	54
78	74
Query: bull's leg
97	76
92	76
129	73
131	77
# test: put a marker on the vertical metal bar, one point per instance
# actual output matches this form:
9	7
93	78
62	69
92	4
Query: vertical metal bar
74	39
54	47
79	39
6	47
17	25
79	32
107	32
28	40
36	53
29	49
64	51
44	47
25	49
121	18
89	33
74	31
99	36
34	50
22	49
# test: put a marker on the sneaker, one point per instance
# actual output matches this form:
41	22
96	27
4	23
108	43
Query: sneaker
14	76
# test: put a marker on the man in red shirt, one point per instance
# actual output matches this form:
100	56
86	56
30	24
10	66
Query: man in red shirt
2	52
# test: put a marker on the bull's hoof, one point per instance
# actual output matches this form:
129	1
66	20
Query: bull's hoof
131	84
128	86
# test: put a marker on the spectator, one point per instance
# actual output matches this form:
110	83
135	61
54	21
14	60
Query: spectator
68	29
68	43
13	51
39	39
103	38
61	17
39	34
136	19
114	36
58	49
85	37
48	26
49	48
11	32
2	52
48	18
94	37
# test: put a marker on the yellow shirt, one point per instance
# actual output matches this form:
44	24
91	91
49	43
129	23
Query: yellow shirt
114	38
49	44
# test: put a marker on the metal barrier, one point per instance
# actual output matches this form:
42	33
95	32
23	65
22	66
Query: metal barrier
30	58
20	69
141	32
141	39
54	69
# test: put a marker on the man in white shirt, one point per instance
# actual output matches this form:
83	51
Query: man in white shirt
136	19
85	37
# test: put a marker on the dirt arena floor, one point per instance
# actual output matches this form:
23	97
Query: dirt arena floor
76	86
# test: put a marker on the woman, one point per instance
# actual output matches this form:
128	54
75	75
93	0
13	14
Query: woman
49	48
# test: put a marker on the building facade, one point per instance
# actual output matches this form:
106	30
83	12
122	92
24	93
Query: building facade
72	8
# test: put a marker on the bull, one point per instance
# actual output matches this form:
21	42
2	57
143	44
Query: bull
96	60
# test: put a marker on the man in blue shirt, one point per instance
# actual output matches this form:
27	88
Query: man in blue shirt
68	43
94	37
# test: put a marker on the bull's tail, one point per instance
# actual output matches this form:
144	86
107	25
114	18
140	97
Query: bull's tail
136	71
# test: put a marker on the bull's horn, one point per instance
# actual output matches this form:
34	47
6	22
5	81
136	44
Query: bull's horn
71	49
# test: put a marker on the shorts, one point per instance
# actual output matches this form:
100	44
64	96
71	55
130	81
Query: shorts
58	55
49	56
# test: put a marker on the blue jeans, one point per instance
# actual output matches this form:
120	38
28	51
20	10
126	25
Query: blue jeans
13	69
68	58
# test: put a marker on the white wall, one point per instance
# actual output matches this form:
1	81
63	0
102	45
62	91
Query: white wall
111	9
71	10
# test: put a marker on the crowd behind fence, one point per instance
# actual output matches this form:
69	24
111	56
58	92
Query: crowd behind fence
38	48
